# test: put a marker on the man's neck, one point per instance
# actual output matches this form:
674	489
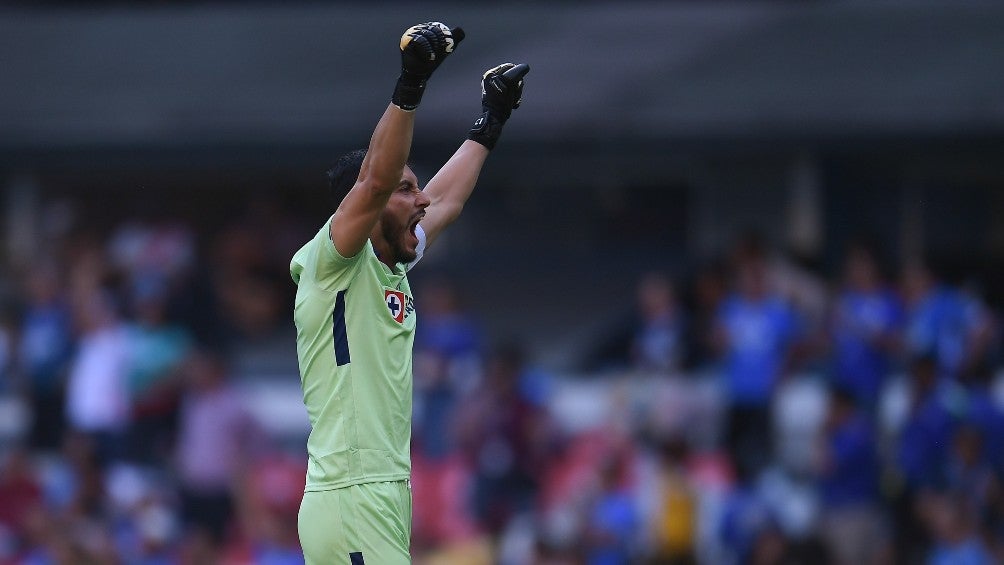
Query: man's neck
383	252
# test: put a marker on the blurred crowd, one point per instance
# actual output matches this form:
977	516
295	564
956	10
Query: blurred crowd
754	412
123	438
751	411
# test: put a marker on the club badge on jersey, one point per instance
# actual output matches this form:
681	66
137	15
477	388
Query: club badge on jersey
399	304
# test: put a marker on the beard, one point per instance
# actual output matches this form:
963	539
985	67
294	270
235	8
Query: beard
394	233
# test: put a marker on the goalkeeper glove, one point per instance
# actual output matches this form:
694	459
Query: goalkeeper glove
501	93
423	48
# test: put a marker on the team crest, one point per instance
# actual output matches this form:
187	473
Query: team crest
395	301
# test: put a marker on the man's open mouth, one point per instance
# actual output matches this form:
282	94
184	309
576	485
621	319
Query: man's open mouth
414	223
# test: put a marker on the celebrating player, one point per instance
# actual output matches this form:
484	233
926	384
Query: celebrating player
355	318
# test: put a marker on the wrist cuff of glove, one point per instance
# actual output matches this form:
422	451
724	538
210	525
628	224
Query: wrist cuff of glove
408	91
486	129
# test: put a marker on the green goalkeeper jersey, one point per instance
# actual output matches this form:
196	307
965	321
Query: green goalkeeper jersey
355	328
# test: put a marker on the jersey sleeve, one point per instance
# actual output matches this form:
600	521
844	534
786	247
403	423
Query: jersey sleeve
321	262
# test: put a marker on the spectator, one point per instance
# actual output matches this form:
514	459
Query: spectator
755	334
245	288
953	326
675	524
447	366
160	249
8	333
968	476
97	399
20	496
709	290
745	519
444	521
930	424
157	349
44	354
435	407
504	436
156	530
982	412
143	524
47	544
447	328
658	343
956	539
848	479
250	302
612	519
770	547
920	451
982	333
269	499
973	484
214	445
545	553
865	326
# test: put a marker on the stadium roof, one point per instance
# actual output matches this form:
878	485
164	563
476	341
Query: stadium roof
635	71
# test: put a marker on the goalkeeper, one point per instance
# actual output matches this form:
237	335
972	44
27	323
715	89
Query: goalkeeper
355	316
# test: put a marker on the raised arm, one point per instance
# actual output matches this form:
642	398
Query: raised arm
423	48
448	191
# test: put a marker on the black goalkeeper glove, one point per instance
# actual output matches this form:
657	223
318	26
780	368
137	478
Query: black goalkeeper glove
501	93
423	48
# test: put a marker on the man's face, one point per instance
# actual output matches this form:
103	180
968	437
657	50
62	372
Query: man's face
400	218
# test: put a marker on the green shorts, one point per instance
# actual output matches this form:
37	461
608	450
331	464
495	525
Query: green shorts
368	523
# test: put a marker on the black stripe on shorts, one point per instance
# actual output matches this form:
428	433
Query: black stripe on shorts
356	558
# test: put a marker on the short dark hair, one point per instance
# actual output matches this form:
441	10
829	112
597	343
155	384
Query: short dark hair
344	174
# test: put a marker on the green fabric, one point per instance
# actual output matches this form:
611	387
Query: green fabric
360	410
373	519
